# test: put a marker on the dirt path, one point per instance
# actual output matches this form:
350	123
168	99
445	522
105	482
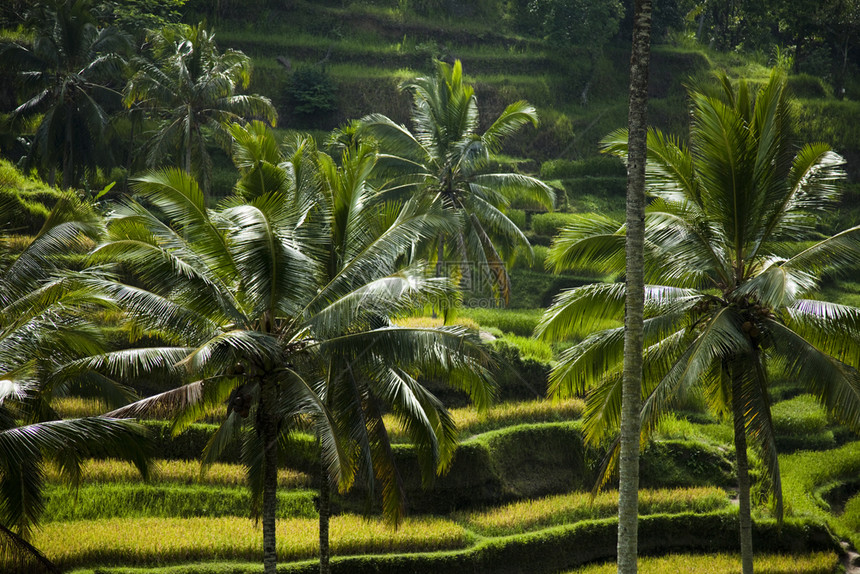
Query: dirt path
851	559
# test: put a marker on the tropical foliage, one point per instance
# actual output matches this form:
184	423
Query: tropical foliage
70	74
191	88
728	301
444	156
44	327
279	302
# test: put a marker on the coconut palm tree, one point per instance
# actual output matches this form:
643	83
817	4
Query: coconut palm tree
43	328
634	305
444	155
71	71
191	88
279	302
732	256
26	449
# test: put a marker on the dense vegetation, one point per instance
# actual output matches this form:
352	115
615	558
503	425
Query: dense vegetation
302	241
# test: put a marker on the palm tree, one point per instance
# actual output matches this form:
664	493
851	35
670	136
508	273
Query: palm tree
44	328
69	70
634	278
26	449
732	253
445	156
279	303
191	87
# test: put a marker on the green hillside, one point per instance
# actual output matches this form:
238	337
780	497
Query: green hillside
517	496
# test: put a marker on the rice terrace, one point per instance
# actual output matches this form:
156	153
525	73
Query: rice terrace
429	286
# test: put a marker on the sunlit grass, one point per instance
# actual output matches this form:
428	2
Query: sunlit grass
76	407
178	471
435	322
816	563
529	515
530	348
804	473
470	422
520	322
137	500
163	540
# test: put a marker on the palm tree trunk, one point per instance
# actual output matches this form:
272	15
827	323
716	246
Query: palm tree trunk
269	431
188	141
325	515
67	153
631	400
744	518
440	265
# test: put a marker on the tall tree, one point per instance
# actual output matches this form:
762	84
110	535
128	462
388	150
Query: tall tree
44	328
444	156
731	274
71	71
191	87
279	303
628	495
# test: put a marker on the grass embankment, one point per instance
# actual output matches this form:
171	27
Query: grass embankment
471	422
520	322
554	549
178	471
806	476
816	563
561	509
813	563
159	501
153	541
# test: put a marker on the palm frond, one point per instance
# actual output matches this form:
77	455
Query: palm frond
834	383
512	119
20	557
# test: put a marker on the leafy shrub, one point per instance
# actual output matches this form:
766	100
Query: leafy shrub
517	217
537	459
596	166
549	224
494	467
519	378
674	463
597	186
807	86
456	8
537	262
312	92
532	289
